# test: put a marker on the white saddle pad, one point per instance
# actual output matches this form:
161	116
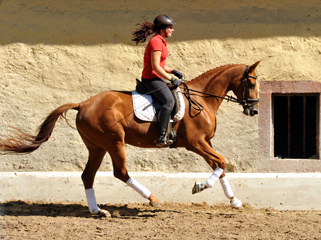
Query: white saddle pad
144	110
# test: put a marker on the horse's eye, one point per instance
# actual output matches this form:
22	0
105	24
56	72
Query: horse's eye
251	85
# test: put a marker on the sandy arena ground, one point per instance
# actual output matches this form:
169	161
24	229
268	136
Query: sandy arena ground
30	220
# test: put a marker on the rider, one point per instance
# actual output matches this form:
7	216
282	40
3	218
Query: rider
155	71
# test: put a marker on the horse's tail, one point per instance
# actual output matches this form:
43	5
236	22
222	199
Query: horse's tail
26	143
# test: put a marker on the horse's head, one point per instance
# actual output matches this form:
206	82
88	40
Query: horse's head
247	90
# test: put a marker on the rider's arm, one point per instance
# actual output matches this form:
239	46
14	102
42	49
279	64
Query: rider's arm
168	70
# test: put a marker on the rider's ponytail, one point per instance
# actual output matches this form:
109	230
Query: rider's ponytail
140	34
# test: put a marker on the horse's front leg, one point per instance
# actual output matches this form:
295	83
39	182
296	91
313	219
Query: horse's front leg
217	162
235	202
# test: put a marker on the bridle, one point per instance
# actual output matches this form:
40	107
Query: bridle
245	101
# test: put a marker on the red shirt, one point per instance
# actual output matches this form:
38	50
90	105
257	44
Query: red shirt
156	43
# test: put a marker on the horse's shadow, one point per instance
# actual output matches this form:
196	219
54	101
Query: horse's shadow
21	208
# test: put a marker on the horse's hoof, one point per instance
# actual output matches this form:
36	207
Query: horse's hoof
235	203
198	187
155	204
103	213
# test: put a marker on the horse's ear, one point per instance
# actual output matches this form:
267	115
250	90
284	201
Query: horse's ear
252	67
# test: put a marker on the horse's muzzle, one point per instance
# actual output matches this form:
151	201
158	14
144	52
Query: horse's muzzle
251	110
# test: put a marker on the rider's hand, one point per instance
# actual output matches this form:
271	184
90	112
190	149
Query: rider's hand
175	82
177	74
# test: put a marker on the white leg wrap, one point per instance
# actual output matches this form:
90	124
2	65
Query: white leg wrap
226	188
236	203
91	200
214	177
138	188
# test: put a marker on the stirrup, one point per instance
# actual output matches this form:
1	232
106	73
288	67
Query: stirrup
169	141
163	141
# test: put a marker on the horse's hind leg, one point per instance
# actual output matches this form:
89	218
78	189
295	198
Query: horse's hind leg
117	154
96	155
95	158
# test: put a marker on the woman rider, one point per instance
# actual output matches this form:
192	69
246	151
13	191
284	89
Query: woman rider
155	71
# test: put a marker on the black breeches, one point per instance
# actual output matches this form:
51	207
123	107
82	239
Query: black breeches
160	90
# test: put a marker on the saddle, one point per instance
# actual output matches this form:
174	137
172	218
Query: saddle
146	107
141	89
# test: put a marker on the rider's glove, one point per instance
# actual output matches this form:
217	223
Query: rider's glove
177	74
175	82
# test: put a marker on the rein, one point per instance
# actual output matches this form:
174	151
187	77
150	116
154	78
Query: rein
244	102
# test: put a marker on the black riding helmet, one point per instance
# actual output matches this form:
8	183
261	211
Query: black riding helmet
161	22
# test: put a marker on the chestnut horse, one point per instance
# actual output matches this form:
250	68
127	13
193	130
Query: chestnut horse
106	122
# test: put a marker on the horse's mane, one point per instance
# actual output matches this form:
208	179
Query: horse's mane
216	71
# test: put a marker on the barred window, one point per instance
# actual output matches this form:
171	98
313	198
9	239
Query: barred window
290	126
294	125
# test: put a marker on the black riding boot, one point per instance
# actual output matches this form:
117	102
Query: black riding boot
162	126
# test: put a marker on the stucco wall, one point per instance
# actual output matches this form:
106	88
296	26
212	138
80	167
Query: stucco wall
55	52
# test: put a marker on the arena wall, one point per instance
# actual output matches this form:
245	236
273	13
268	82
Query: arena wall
55	52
